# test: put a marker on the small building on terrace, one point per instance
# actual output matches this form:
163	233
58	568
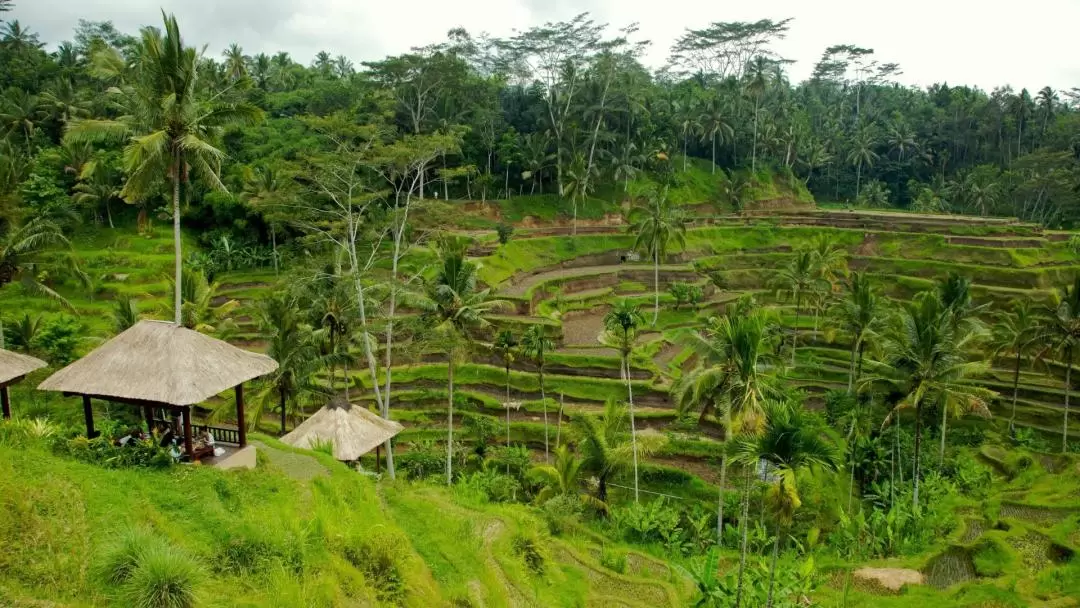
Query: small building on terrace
352	430
13	368
166	370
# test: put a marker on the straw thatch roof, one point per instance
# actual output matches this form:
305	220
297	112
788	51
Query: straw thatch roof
160	362
353	429
14	365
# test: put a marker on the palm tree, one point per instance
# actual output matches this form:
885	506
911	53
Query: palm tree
292	344
97	190
715	126
198	311
22	254
1060	333
929	360
799	279
736	189
535	344
758	74
657	222
267	190
621	325
454	308
830	265
862	153
235	62
862	315
504	344
602	441
564	479
168	125
537	159
21	335
733	376
791	442
1012	336
125	312
688	124
578	184
19	114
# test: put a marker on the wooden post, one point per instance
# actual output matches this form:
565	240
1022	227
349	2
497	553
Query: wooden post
186	413
241	428
88	413
5	402
378	462
148	413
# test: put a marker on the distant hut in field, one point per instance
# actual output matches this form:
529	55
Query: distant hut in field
352	430
13	368
164	368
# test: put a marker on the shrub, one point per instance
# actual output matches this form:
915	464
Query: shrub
837	405
122	558
505	231
379	557
1029	438
613	559
425	458
492	486
257	549
58	338
164	577
562	513
530	549
992	559
648	522
102	452
686	293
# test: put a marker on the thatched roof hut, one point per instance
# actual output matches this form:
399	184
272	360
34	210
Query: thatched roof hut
352	429
160	362
160	365
13	367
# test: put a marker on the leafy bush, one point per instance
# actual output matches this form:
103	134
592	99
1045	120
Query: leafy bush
122	558
492	486
969	475
613	559
838	403
992	559
1029	438
686	293
516	459
424	459
102	452
380	557
164	577
58	337
647	522
530	548
562	513
256	548
505	231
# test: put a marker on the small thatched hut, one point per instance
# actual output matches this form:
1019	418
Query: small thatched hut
161	365
13	368
352	429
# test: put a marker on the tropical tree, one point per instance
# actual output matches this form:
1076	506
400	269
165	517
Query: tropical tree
294	346
799	280
1013	334
235	62
862	153
758	76
505	343
125	312
621	325
862	315
657	222
928	357
535	344
715	126
98	189
27	248
1059	332
168	124
603	445
578	184
734	376
564	478
198	310
454	308
792	441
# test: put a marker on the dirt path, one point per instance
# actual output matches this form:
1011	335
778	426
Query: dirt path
522	287
583	330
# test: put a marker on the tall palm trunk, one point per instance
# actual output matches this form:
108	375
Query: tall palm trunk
753	158
723	481
282	404
656	285
558	423
743	524
851	370
918	450
1068	390
633	425
714	153
858	178
507	410
772	568
795	330
178	261
543	399
450	422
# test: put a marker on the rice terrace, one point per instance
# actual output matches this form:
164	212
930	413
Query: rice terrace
532	320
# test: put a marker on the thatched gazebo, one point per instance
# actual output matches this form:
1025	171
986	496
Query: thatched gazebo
13	368
162	365
352	429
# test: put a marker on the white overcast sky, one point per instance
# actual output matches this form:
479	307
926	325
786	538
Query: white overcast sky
1029	44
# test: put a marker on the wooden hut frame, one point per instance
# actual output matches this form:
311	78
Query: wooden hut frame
13	368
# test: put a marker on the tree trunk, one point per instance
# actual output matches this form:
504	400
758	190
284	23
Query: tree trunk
633	425
795	330
656	284
558	423
714	153
851	370
273	248
944	423
753	158
506	182
723	482
445	181
918	449
108	213
178	261
858	179
507	412
543	399
450	423
573	229
684	138
282	405
744	524
772	569
1068	390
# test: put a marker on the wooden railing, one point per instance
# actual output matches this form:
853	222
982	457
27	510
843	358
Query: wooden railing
221	435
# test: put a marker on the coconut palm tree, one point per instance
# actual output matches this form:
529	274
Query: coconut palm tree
1059	333
564	479
736	189
454	308
621	325
928	359
168	124
799	280
97	190
862	153
736	357
267	190
535	344
578	184
830	266
20	112
792	442
125	312
1013	334
235	62
759	74
504	344
862	315
198	311
715	126
657	222
23	249
603	445
294	346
